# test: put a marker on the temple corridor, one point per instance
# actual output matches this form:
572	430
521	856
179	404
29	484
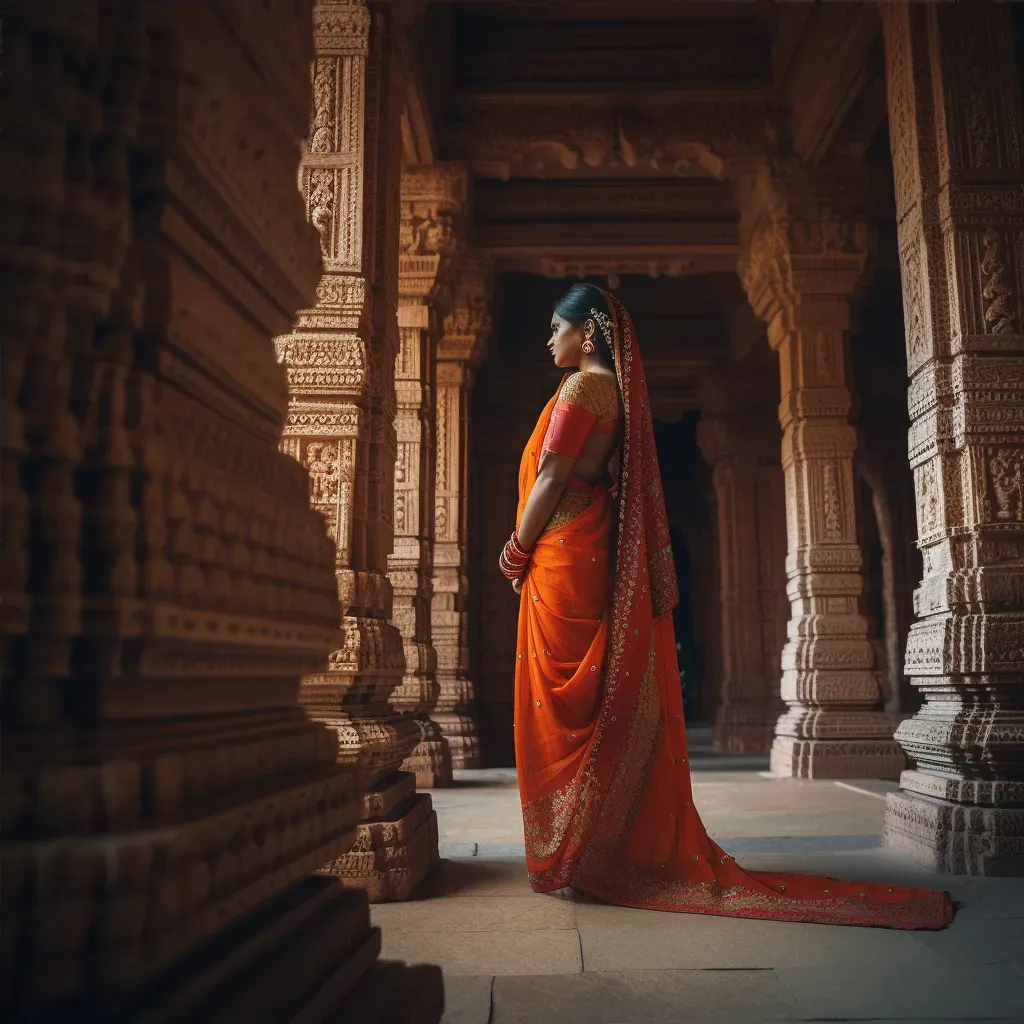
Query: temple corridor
277	280
512	956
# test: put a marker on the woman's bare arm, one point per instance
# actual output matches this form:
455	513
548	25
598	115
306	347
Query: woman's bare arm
547	489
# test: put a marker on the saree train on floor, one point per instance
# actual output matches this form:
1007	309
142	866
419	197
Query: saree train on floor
600	737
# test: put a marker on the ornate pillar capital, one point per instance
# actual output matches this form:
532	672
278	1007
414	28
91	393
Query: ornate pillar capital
432	231
806	241
468	324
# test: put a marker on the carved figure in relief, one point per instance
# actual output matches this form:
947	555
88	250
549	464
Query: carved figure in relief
426	235
321	205
324	472
996	291
1006	470
599	715
833	518
928	497
912	300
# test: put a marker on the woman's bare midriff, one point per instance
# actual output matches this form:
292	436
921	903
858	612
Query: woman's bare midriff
592	462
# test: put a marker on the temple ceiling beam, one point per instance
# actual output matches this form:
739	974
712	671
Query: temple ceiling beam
822	64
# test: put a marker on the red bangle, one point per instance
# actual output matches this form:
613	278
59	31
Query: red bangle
513	561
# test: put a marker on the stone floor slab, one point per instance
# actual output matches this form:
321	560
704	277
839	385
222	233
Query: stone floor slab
987	898
478	876
614	938
945	992
477	914
644	997
979	941
555	951
467	999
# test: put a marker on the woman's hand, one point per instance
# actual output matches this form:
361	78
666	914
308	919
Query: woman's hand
517	584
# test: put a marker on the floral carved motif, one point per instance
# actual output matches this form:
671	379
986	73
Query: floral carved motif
321	137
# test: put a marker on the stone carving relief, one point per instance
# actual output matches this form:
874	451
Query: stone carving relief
321	137
913	305
928	497
997	295
832	512
322	461
322	185
1006	474
955	111
340	360
426	235
806	247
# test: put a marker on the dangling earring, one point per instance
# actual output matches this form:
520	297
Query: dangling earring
588	343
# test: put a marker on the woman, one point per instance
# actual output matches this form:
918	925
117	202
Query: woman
600	737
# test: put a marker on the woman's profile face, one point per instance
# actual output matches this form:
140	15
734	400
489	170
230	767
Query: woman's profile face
565	344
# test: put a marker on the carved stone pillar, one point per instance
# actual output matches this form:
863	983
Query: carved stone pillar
806	246
432	202
743	452
165	799
466	331
340	359
956	128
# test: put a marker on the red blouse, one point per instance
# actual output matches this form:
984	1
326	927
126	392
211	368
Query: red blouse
585	398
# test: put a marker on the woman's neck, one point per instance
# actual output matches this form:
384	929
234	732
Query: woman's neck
593	364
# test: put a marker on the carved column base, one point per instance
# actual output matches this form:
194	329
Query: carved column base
431	758
463	737
378	744
926	823
795	758
396	842
745	726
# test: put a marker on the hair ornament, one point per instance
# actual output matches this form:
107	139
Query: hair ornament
604	321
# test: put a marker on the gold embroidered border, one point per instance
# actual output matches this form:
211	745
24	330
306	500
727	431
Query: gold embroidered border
595	392
570	505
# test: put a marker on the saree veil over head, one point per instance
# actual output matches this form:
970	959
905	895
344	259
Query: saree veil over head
600	738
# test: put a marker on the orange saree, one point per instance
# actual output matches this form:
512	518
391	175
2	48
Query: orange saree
600	738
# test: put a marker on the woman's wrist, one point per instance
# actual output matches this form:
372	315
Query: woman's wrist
517	543
515	559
